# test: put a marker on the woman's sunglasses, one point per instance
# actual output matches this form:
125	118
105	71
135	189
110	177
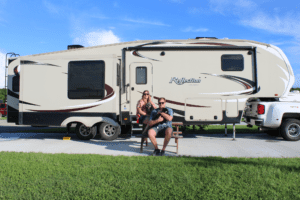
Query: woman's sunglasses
146	94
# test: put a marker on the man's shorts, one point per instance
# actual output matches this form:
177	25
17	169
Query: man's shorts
160	129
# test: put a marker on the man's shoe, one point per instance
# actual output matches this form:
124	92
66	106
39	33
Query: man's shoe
162	153
156	152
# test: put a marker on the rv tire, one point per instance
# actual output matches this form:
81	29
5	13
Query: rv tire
108	131
85	133
290	129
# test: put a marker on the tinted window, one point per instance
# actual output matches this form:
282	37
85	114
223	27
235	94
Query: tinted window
232	62
141	75
16	83
118	75
86	80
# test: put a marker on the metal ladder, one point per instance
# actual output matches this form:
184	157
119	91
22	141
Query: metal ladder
6	71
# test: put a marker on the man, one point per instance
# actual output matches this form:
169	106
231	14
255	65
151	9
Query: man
162	124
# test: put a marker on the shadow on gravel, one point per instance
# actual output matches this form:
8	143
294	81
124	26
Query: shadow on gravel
120	144
255	136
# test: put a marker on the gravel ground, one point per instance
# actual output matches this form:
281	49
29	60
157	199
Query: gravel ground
245	145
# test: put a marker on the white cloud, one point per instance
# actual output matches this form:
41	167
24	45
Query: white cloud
2	69
238	7
141	21
51	7
286	25
191	29
97	38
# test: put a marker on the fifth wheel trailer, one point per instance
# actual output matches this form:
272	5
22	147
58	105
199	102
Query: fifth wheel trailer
204	81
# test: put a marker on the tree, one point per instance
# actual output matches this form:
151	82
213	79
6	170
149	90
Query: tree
3	92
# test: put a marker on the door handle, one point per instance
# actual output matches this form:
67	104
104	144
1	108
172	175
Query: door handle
132	88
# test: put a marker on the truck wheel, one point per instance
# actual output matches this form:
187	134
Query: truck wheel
85	133
290	129
108	131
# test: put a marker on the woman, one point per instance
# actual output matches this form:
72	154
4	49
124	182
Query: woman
143	108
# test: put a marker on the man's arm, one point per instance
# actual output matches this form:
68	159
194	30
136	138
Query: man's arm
153	122
169	116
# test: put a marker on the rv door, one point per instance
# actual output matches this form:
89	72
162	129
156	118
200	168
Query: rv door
140	80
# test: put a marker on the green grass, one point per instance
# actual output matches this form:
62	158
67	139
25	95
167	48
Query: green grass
3	118
69	176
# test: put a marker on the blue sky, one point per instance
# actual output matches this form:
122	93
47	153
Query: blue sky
38	26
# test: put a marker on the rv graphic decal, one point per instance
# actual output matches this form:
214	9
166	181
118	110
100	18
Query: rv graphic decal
179	103
110	95
248	85
12	94
24	102
219	44
29	62
158	43
64	110
181	81
135	53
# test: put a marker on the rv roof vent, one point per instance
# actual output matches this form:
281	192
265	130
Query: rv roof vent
75	46
206	38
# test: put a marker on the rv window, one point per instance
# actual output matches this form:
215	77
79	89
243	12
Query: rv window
118	75
86	80
232	62
141	75
2	106
16	83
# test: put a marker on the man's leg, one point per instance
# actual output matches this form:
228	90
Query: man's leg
168	134
151	135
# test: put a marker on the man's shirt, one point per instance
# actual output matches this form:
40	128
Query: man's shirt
154	113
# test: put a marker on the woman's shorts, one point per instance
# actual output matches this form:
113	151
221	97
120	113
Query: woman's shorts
143	118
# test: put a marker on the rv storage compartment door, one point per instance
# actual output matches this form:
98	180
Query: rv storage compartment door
232	108
203	109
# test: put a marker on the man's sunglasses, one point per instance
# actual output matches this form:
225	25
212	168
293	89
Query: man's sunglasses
161	103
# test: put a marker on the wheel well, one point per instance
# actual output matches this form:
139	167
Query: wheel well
291	116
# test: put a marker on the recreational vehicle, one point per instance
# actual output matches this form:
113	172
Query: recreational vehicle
204	81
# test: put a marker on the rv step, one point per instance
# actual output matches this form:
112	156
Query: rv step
137	129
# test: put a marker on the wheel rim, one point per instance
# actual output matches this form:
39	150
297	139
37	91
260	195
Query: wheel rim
84	131
294	130
109	130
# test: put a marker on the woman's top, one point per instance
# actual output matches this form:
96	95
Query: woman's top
141	104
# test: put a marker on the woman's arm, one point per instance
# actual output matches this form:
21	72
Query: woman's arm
139	109
141	112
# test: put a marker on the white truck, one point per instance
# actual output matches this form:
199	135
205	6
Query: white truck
276	116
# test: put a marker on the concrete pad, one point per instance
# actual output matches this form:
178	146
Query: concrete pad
245	145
